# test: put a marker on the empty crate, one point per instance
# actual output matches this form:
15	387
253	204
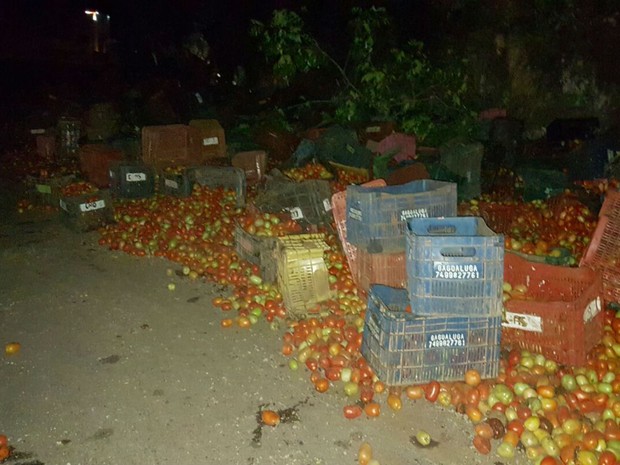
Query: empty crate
130	181
377	216
303	278
171	145
454	266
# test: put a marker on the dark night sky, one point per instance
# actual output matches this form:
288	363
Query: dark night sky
224	23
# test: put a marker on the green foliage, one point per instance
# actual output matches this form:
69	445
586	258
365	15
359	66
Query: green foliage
286	45
378	81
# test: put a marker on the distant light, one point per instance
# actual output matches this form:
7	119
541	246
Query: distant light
94	14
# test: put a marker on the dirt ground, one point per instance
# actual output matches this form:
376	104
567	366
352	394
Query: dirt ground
117	369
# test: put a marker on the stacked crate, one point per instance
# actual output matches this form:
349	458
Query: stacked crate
449	319
376	220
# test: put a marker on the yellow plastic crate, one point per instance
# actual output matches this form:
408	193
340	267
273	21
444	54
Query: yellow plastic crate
303	278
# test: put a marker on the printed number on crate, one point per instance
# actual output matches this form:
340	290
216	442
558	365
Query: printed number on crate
90	206
446	340
454	271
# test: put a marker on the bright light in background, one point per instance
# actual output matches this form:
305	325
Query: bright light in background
94	14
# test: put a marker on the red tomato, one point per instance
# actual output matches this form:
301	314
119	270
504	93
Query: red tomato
352	411
431	391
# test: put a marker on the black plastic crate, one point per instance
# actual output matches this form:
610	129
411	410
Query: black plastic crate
132	181
87	212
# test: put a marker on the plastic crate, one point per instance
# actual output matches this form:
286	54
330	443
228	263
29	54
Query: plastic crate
259	251
377	216
350	172
308	202
131	181
499	217
561	317
603	252
339	210
46	191
225	177
375	130
212	137
95	163
403	348
69	133
540	184
176	182
46	146
179	182
464	160
303	278
455	266
389	269
253	163
171	145
88	212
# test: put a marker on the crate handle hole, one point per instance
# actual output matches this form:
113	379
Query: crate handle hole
443	230
458	251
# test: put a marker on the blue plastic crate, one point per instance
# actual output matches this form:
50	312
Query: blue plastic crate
455	266
403	348
377	216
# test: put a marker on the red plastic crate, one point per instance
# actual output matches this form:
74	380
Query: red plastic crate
212	137
253	163
389	269
603	253
562	320
171	145
96	161
339	210
497	216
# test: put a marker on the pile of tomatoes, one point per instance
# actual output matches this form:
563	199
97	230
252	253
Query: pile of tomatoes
269	224
309	171
556	414
538	227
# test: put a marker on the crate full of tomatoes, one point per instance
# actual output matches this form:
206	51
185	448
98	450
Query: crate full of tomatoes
256	236
45	190
84	207
403	348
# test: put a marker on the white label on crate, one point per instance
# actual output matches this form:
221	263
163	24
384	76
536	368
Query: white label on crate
44	188
350	148
521	321
135	177
413	213
92	206
210	141
112	174
593	309
296	213
63	205
444	270
371	129
171	183
37	132
447	339
355	214
198	97
327	205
